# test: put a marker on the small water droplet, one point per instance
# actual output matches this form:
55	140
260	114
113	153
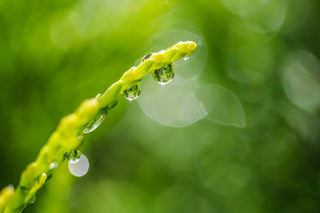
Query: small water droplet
92	125
53	165
186	58
79	167
146	57
164	75
133	92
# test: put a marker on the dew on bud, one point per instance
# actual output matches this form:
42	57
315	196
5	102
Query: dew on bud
92	125
133	92
164	75
146	57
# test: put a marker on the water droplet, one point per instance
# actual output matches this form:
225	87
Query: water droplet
53	165
186	58
146	57
164	75
92	125
133	92
79	167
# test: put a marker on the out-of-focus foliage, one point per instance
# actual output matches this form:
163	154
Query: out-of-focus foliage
263	57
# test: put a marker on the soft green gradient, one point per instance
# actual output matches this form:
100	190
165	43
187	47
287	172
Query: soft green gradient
265	54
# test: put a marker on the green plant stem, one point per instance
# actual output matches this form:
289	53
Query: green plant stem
68	136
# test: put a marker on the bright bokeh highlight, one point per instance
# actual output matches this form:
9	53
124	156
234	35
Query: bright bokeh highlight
79	167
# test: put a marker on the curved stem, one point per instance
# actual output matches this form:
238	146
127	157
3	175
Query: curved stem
68	135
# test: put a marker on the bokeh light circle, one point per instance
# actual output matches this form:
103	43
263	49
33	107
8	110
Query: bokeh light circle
182	103
262	16
301	80
170	105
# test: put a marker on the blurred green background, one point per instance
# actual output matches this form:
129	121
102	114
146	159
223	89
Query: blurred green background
255	147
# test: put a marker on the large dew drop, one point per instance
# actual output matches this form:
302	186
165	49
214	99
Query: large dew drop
91	126
164	75
133	92
79	167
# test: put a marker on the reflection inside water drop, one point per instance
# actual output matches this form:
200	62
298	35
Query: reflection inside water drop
91	126
164	75
133	92
79	167
74	155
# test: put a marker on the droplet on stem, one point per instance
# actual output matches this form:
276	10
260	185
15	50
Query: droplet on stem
164	75
92	125
133	92
146	57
